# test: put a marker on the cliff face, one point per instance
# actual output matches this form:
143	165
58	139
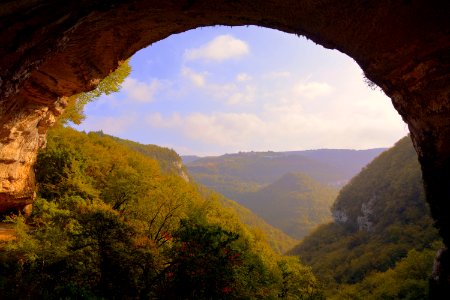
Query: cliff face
21	136
388	190
378	217
52	49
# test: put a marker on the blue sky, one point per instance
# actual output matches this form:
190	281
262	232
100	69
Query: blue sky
220	90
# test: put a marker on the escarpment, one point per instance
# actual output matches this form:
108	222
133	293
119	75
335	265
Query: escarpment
52	49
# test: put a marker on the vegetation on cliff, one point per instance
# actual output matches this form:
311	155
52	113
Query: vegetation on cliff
382	232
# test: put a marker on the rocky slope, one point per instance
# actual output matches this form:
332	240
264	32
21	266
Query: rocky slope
378	217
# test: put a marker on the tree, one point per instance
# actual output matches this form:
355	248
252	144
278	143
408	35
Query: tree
204	259
110	84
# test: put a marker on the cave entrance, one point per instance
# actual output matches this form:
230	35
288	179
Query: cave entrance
268	87
56	50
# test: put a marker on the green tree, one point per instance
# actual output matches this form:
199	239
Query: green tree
110	84
109	224
203	263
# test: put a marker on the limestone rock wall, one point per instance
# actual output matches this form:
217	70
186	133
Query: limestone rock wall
21	136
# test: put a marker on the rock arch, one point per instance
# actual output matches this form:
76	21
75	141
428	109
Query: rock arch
52	48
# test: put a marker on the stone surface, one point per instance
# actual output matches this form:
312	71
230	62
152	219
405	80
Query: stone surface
52	49
22	133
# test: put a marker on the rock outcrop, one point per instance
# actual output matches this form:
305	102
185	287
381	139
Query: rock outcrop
21	136
52	49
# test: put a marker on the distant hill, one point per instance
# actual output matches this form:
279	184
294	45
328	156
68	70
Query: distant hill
259	180
277	239
295	203
378	217
189	158
328	166
349	162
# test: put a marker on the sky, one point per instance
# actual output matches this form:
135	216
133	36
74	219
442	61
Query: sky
217	90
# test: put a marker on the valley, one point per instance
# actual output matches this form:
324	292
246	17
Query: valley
138	210
292	190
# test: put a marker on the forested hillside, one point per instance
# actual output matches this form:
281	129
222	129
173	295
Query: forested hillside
171	163
295	203
277	239
270	184
381	221
108	223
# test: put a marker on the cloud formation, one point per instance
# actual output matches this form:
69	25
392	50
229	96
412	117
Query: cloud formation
195	78
140	91
298	114
290	96
242	77
312	90
221	48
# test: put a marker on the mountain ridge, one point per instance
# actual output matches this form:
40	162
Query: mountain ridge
379	217
329	166
247	176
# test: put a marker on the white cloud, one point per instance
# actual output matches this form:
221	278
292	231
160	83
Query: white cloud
221	48
245	95
140	91
277	74
301	102
348	116
196	78
311	90
223	129
242	77
230	93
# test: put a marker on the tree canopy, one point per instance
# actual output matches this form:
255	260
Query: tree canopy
108	223
110	84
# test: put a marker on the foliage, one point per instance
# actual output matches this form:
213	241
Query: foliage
110	84
204	259
409	279
277	239
169	160
170	163
388	195
108	224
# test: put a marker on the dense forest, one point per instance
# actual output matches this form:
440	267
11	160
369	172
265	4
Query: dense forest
109	223
171	163
382	241
116	219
